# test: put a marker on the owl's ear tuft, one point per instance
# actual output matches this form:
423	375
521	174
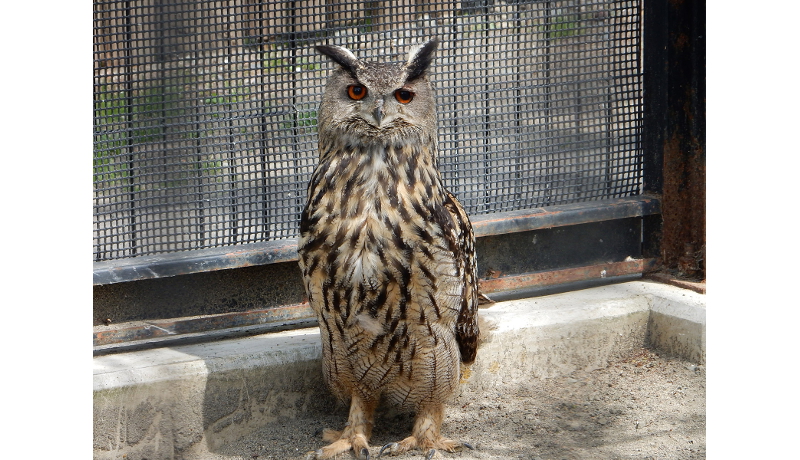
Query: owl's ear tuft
342	56
420	57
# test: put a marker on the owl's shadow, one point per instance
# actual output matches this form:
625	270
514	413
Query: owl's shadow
391	424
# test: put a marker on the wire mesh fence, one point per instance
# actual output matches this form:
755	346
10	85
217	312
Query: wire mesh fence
205	111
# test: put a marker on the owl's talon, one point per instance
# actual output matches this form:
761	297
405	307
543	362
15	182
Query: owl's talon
364	454
430	454
468	445
392	446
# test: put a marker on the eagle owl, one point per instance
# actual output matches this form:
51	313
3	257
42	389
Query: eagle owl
387	253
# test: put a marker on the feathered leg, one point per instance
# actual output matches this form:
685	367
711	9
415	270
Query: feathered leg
355	435
426	435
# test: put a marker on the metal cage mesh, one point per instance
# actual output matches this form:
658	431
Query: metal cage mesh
205	111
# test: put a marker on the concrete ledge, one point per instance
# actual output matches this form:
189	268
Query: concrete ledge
187	401
677	323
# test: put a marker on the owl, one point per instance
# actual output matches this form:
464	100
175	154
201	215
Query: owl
387	253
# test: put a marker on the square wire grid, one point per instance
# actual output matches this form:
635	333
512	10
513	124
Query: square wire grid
205	112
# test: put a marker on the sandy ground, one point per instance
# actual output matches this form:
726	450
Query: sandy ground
644	406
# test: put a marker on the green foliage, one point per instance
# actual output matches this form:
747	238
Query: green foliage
304	119
212	168
183	107
307	119
126	119
110	109
563	26
108	169
226	98
273	63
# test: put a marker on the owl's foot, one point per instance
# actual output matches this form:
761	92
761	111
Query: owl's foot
342	441
338	447
431	448
426	435
355	435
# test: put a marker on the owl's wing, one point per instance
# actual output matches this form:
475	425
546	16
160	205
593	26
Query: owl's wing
467	331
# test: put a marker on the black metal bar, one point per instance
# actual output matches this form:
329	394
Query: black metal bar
204	260
129	143
237	203
654	95
564	215
656	79
519	169
487	117
263	135
548	96
196	261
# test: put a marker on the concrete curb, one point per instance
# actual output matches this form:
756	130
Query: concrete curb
186	401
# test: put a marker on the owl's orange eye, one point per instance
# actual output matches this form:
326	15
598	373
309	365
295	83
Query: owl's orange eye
356	92
403	96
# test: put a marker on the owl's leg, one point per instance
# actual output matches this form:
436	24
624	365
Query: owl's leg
355	435
426	435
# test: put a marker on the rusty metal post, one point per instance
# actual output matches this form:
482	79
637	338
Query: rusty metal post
674	133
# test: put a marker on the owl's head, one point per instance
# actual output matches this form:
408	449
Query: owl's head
379	99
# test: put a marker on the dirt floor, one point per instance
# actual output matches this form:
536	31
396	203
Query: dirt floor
645	406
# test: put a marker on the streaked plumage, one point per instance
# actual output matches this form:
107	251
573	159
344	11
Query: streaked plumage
387	253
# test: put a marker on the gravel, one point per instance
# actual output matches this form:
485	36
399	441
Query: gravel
645	406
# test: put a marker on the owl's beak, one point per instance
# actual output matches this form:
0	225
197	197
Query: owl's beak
379	111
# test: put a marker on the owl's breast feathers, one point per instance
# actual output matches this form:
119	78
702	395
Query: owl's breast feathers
387	253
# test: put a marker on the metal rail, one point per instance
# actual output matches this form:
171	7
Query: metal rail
173	264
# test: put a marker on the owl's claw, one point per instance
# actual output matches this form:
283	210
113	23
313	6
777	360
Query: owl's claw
318	454
334	450
392	446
